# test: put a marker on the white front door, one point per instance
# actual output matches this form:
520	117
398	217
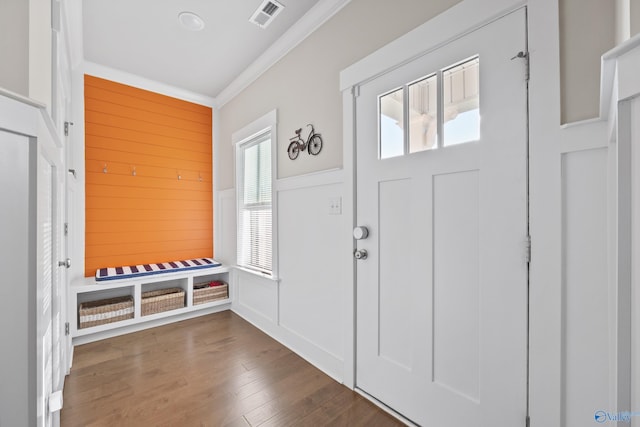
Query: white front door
441	187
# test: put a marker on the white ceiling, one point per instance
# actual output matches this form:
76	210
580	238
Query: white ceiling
143	37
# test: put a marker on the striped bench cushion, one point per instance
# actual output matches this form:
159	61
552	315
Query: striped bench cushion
117	273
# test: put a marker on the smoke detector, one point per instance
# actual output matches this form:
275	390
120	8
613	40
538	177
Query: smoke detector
266	13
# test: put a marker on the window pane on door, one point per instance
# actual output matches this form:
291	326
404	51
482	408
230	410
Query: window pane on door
391	124
461	103
423	114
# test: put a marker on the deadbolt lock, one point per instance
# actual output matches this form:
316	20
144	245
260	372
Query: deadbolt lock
360	254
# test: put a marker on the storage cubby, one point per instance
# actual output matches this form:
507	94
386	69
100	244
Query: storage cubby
178	302
205	278
203	294
101	294
153	285
106	306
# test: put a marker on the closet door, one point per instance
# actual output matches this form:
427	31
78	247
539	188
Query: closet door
50	273
17	283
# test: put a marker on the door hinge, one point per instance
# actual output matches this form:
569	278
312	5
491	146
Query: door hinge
527	421
66	228
524	55
527	249
66	329
66	128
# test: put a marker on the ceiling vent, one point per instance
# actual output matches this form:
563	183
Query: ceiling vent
266	13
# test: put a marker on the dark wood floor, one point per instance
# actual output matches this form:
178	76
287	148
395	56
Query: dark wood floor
215	370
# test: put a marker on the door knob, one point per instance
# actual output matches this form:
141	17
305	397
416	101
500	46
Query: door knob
360	254
65	263
360	233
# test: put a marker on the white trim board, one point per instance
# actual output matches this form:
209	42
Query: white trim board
313	179
140	82
269	120
308	350
608	73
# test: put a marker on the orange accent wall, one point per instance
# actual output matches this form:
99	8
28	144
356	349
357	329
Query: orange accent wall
152	216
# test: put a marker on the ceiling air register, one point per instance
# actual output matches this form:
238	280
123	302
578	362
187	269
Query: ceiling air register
266	13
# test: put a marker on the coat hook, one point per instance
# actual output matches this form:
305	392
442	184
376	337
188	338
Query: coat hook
179	176
200	176
133	171
104	169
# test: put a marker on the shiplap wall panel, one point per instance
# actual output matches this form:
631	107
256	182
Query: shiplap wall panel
151	216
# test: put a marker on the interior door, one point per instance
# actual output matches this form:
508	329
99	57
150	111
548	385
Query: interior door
441	188
50	183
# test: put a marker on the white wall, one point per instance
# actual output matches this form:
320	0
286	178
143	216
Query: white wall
40	58
635	17
587	30
303	86
25	48
225	226
305	307
14	46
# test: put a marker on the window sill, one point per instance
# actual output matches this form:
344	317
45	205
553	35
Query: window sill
258	273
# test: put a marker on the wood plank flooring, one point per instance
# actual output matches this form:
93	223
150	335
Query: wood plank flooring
214	370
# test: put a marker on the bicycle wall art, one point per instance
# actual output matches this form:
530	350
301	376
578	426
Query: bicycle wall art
313	143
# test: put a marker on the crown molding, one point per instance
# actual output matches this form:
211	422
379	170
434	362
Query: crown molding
311	21
140	82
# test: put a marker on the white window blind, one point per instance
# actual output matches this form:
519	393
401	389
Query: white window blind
254	204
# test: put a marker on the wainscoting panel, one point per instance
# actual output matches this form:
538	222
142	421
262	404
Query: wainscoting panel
586	316
312	266
225	236
256	297
304	307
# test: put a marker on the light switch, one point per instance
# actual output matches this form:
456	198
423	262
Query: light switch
335	205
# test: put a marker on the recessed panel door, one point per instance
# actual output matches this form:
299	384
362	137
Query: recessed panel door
441	188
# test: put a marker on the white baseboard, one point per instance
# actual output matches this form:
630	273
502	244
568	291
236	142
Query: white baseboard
327	363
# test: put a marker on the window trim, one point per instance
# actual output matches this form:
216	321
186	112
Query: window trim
265	124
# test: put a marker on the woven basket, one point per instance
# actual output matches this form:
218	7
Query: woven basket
94	313
203	293
162	300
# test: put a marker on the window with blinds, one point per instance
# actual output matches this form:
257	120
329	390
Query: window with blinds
254	204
